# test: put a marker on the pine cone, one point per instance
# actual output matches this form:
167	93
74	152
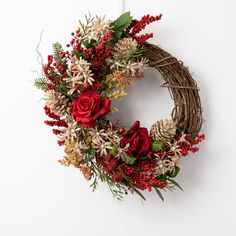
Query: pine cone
103	123
57	102
164	130
124	46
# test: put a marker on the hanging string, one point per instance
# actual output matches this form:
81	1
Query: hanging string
123	6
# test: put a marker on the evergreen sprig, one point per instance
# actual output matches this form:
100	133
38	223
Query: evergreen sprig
42	83
117	189
57	49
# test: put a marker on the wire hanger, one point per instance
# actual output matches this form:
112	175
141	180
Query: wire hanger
123	6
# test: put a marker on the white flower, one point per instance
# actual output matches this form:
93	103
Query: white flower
98	27
101	146
104	140
131	68
80	73
98	135
166	164
73	133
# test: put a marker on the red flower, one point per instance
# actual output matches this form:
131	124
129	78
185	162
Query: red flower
88	107
138	139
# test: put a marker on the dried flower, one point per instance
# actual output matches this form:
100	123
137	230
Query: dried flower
131	68
166	163
98	27
80	74
74	131
86	170
124	47
103	140
73	155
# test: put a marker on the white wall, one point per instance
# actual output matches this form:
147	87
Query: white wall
39	197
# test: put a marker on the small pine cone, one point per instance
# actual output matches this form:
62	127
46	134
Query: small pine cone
164	130
57	102
124	46
103	123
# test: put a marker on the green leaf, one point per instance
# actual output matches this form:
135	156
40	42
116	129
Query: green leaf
114	151
176	184
123	21
162	178
128	159
117	34
159	194
89	43
126	34
76	53
157	146
174	173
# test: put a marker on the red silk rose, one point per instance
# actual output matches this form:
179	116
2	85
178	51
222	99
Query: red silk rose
138	139
88	107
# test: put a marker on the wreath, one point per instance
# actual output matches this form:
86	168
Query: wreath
103	59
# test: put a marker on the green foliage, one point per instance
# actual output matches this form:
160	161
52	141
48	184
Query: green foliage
157	146
128	159
62	88
90	154
162	178
174	173
42	83
89	43
123	22
159	194
57	48
117	189
76	53
176	184
114	151
133	54
119	26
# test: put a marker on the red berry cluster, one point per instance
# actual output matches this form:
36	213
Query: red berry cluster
141	175
137	26
143	38
56	121
145	20
55	71
102	50
74	43
56	131
189	146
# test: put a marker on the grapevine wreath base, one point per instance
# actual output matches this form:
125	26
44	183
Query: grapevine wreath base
102	60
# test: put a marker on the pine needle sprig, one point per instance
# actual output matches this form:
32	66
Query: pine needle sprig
57	49
117	189
42	83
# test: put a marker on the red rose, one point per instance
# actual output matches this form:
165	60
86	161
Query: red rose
88	107
138	139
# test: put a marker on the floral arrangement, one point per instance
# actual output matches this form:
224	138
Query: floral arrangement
103	59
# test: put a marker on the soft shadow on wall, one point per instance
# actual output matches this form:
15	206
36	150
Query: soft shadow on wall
146	101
